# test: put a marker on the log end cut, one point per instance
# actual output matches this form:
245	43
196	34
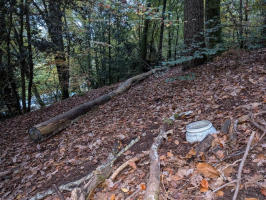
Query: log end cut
35	134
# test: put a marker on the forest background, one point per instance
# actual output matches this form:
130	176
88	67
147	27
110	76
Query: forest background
50	50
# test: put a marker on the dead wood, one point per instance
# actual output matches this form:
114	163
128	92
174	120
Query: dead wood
203	146
124	165
71	185
99	175
242	165
152	191
225	126
232	134
50	127
59	193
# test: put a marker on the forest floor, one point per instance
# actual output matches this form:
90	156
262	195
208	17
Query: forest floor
229	87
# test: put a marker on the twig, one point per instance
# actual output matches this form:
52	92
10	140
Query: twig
133	194
69	186
261	113
242	165
123	166
217	189
60	195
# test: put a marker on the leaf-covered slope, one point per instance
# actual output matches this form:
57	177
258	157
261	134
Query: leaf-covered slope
226	88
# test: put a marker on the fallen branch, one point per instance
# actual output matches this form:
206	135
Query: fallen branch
69	186
59	193
50	127
123	166
152	191
242	165
99	176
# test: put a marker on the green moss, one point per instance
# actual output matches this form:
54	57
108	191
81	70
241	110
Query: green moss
168	121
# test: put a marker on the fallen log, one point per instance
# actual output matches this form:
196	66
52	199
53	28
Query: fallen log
50	127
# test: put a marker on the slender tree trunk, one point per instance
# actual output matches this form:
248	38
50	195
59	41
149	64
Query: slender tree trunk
161	33
143	50
30	59
37	95
22	57
194	27
109	50
170	35
177	36
213	22
241	42
11	87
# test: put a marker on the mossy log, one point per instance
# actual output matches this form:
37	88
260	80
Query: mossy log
50	127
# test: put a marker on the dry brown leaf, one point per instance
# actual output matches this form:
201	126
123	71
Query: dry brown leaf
143	186
176	142
203	189
113	197
207	170
169	154
204	183
191	153
251	199
220	193
263	191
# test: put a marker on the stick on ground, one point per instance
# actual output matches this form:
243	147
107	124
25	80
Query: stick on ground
152	191
242	165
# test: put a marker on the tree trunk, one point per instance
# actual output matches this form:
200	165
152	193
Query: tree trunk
241	42
54	24
160	49
193	32
143	50
10	88
22	58
37	96
177	35
48	128
30	59
213	22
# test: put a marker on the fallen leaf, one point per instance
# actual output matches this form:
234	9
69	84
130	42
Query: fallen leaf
191	153
125	190
176	142
169	154
132	164
207	170
251	199
243	119
143	186
113	197
263	191
220	193
204	183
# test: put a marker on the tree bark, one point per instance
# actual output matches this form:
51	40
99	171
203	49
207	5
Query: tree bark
30	58
193	32
48	128
143	50
54	24
160	49
213	22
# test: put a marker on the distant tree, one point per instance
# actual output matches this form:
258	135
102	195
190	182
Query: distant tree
213	22
193	31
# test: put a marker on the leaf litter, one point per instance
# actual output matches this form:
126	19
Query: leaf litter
219	92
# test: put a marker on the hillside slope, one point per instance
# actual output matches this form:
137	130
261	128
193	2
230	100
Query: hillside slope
231	86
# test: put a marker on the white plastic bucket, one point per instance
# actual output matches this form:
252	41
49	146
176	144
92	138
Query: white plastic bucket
197	131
